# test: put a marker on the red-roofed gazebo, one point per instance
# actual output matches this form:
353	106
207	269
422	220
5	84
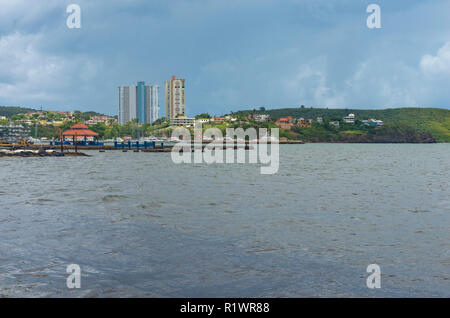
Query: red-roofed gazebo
82	133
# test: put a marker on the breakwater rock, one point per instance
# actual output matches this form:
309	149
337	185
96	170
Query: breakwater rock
36	153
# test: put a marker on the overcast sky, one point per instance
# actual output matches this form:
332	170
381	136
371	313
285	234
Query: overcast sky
234	54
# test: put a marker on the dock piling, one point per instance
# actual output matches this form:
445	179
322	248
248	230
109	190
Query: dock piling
61	139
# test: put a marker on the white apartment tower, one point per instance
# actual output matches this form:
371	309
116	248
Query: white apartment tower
138	101
174	97
127	103
152	99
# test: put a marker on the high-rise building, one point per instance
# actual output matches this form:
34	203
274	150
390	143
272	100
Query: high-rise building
152	99
127	103
174	97
141	109
140	101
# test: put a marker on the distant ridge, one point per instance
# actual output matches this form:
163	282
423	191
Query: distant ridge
9	111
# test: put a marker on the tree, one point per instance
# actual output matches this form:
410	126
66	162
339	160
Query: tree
18	117
99	128
112	131
202	116
78	115
159	121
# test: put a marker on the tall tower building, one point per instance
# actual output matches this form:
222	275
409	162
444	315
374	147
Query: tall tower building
141	105
141	102
127	103
152	100
174	97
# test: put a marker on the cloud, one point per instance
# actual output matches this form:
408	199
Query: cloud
233	54
28	74
21	15
310	86
378	82
438	64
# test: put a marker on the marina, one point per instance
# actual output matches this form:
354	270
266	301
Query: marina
26	149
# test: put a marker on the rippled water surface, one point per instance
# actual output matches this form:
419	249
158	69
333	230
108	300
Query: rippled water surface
139	225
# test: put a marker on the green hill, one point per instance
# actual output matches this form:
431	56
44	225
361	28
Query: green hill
432	121
9	111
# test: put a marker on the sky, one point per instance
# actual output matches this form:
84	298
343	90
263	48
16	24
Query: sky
234	54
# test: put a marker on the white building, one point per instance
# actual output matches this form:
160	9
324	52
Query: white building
100	119
127	103
139	102
334	123
152	96
350	119
14	133
263	118
373	122
182	121
174	97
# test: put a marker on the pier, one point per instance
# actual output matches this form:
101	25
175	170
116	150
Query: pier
58	149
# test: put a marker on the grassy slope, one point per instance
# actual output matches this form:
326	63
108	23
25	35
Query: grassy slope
434	121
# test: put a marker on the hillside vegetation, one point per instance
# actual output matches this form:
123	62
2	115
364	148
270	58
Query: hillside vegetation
9	111
413	125
428	121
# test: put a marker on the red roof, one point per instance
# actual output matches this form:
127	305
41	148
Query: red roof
80	132
79	126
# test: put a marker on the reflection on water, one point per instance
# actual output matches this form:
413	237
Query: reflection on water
139	225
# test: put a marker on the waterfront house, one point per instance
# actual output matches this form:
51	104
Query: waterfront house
218	120
373	122
262	118
230	118
350	119
334	123
285	122
301	122
100	119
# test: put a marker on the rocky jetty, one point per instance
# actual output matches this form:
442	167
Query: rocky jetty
37	153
